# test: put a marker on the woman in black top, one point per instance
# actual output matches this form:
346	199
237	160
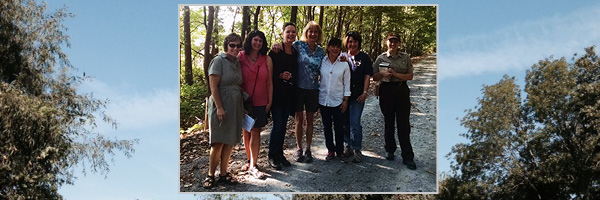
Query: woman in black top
284	66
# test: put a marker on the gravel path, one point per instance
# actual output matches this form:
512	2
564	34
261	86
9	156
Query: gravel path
374	174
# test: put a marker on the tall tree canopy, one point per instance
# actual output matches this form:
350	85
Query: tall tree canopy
415	24
546	146
46	125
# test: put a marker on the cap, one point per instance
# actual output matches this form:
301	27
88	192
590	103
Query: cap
392	35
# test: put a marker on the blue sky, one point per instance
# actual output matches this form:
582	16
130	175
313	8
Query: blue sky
131	48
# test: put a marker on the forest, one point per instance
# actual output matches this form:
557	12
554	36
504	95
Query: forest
202	29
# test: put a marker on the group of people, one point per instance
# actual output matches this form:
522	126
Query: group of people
299	77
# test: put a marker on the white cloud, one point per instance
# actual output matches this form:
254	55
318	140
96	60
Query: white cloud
519	46
136	108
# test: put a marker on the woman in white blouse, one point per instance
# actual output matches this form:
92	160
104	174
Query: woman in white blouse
334	91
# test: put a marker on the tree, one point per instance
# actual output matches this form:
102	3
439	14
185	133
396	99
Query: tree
255	21
189	78
47	126
209	31
545	147
294	14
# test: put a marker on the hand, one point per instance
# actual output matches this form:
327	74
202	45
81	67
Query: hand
221	114
362	98
285	75
276	47
344	106
268	107
343	58
391	71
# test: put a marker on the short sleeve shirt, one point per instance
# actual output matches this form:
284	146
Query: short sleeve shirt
401	63
309	65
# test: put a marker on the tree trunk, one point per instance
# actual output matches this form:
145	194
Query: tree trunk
189	77
237	9
339	22
207	42
256	14
294	14
321	14
309	14
245	21
215	35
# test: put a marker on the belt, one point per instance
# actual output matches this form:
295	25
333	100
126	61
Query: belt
398	83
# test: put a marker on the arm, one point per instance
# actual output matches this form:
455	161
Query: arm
214	88
269	84
347	92
363	97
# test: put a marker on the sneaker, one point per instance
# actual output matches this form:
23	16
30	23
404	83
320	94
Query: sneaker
257	174
299	156
330	156
410	164
274	162
348	151
357	157
308	156
284	161
343	158
389	156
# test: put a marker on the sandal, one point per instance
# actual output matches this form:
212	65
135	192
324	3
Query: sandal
246	166
209	182
227	179
256	173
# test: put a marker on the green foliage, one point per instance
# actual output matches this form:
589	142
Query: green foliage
360	197
192	103
545	147
46	126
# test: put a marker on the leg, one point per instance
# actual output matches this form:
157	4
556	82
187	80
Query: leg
279	122
299	120
225	154
339	130
356	109
387	105
214	158
346	120
403	123
310	117
254	146
246	138
326	115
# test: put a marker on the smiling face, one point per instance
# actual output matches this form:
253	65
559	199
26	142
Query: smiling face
289	34
393	44
333	50
352	44
257	43
312	35
235	50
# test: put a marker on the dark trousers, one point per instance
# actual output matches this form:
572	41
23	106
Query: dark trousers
394	101
280	117
329	115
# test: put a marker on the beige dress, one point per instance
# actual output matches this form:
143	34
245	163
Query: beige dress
229	130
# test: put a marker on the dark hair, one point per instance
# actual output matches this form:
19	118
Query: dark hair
230	38
335	42
355	36
248	42
289	24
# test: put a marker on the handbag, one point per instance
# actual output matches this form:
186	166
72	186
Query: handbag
248	101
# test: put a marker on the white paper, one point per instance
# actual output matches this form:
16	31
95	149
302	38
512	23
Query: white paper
248	123
384	69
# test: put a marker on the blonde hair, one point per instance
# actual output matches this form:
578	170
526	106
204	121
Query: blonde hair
311	25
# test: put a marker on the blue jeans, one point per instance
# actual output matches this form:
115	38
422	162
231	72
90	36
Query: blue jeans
352	127
280	118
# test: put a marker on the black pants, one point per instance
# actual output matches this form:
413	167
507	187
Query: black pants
394	101
329	115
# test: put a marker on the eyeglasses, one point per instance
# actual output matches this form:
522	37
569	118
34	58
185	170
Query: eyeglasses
234	45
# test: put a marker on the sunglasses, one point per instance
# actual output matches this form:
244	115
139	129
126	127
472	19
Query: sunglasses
234	45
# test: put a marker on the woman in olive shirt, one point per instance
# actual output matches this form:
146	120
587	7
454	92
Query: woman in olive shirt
394	68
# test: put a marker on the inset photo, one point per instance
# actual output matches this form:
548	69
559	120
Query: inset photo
308	99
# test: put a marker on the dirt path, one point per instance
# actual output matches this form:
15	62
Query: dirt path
374	174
